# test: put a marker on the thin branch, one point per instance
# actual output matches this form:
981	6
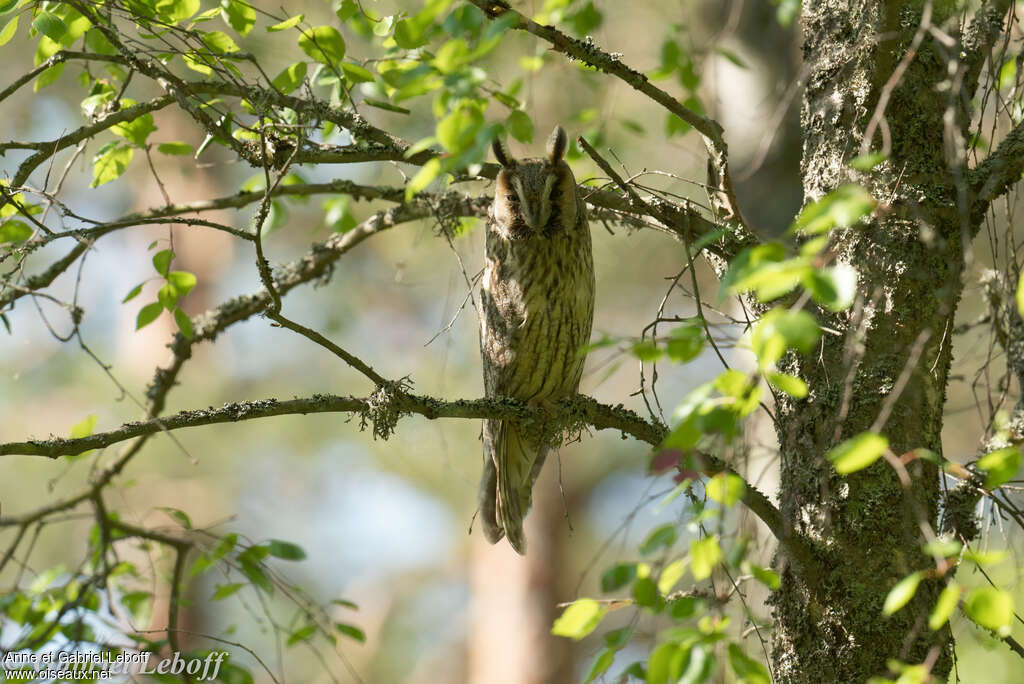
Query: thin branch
588	53
985	29
578	410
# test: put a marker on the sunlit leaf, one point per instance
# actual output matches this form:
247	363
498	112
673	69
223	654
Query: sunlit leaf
746	668
991	608
290	78
944	606
902	592
579	619
704	556
671	575
1000	466
14	231
286	24
858	452
324	44
240	15
790	384
726	488
110	162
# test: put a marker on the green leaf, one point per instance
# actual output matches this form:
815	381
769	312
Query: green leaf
286	24
646	350
174	11
662	536
671	575
9	30
617	638
685	342
781	329
14	231
110	162
301	634
866	162
457	131
580	618
1008	74
765	576
175	148
324	44
732	57
834	287
520	126
256	576
290	77
168	296
148	314
162	261
645	593
179	515
1000	466
858	452
665	664
84	427
133	293
726	488
183	281
285	550
902	592
704	556
586	20
350	631
425	176
240	15
840	208
791	385
138	603
410	34
617	576
184	323
746	668
226	590
136	130
991	608
985	558
355	73
220	43
1020	294
50	25
944	606
604	660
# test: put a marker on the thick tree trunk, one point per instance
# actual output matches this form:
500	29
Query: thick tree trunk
891	356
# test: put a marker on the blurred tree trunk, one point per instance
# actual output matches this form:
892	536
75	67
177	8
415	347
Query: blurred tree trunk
514	599
886	369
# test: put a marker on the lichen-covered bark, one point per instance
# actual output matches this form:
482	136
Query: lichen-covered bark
866	528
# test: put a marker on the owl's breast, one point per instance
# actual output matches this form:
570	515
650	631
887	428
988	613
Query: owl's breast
538	305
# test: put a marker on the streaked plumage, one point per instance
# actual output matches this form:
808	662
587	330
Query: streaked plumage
537	310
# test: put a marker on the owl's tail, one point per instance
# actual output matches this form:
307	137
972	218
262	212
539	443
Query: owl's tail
511	466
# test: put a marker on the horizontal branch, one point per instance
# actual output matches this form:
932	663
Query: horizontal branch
388	404
998	172
46	149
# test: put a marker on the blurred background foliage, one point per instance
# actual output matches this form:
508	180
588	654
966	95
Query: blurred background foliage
384	523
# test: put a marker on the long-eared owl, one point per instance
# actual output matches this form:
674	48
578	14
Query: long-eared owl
537	310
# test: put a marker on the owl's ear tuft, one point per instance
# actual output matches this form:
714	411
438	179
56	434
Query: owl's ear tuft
502	154
557	144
